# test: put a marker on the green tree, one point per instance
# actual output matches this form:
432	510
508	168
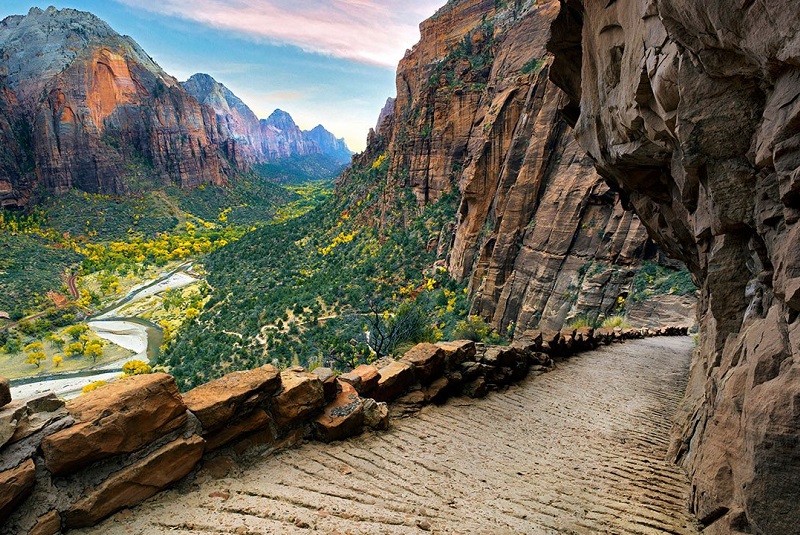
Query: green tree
75	331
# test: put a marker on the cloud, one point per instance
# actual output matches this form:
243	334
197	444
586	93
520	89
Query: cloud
370	31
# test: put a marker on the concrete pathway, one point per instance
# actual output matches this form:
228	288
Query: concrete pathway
579	450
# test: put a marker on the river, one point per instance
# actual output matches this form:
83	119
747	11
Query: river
137	335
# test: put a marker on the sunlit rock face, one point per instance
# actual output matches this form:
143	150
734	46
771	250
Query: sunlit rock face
540	238
691	111
84	107
87	108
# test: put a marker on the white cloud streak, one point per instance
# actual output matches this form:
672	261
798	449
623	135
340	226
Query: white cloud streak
370	31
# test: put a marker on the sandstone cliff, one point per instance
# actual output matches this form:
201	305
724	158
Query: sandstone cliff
84	107
540	238
690	110
101	114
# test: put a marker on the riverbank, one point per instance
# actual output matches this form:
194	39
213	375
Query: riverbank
142	338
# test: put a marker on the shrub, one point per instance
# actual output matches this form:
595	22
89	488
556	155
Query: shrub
93	386
476	329
136	367
615	321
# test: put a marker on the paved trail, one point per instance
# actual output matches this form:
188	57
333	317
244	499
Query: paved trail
579	450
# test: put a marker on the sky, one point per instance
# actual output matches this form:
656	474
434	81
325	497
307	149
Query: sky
329	62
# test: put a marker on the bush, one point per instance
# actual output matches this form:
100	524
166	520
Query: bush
476	329
615	321
93	386
136	367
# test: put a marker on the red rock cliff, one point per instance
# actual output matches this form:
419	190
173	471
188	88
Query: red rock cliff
539	237
100	113
692	111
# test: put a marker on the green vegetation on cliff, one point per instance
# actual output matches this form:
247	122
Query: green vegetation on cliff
330	287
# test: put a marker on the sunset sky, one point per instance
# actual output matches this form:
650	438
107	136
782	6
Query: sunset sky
324	61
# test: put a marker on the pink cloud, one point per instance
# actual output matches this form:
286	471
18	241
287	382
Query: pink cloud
369	31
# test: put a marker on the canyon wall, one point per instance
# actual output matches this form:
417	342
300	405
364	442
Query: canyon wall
540	238
84	107
691	111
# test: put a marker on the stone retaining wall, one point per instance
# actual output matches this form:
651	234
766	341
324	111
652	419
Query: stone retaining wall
69	465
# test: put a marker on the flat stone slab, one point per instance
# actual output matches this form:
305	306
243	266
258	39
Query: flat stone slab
118	418
215	403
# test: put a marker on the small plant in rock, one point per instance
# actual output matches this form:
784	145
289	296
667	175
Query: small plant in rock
615	321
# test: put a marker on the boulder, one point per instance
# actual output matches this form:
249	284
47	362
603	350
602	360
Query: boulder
500	356
530	340
215	403
427	360
15	486
255	421
5	392
394	380
408	404
364	378
137	482
438	391
376	414
344	417
476	389
457	352
330	385
48	524
21	419
300	397
118	418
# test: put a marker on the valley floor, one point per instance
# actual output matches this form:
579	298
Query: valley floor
579	450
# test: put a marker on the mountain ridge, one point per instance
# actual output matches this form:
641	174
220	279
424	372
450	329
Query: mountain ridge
84	107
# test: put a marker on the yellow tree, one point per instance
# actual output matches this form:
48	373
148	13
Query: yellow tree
94	350
36	358
57	360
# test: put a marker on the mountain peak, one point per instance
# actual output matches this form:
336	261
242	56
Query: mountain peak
281	120
43	43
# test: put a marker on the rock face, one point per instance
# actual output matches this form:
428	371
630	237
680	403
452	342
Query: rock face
84	107
246	140
137	482
691	111
540	238
15	486
119	418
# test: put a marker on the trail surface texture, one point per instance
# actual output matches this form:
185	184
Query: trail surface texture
579	450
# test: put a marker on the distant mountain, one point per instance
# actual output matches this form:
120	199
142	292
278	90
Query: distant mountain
256	141
84	107
329	144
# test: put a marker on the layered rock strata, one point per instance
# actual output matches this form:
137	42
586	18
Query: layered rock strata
690	111
84	107
124	442
540	238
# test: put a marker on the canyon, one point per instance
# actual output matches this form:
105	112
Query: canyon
582	143
84	107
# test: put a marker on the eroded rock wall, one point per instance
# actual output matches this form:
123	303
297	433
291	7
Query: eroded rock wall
540	238
691	110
